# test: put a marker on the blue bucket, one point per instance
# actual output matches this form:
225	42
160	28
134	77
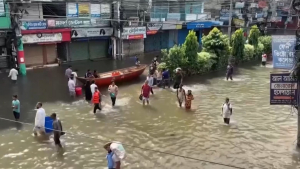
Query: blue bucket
48	125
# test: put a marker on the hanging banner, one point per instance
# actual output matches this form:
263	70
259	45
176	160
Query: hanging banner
91	32
134	33
95	10
30	25
153	28
83	10
283	51
72	10
283	89
41	38
2	8
105	8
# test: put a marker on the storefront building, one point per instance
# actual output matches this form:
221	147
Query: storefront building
133	40
41	46
157	39
89	43
172	30
86	38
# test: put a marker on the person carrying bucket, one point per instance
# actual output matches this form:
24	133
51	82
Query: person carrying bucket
57	131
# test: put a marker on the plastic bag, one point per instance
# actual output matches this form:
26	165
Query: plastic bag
118	149
141	97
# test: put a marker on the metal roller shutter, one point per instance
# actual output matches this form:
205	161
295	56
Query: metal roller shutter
133	47
51	53
33	54
156	42
98	49
78	50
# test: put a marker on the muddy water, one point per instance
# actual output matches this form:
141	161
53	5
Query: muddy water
259	137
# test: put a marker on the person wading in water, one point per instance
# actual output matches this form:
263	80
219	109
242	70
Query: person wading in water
97	100
188	100
180	95
113	92
226	111
178	78
229	71
145	92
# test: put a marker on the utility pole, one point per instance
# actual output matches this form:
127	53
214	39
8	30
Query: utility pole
18	38
230	19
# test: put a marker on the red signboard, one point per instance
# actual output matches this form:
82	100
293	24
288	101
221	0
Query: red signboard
66	33
136	36
151	32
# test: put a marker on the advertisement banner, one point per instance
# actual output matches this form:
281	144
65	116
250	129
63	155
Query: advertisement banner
91	32
31	25
153	28
197	25
105	8
78	22
171	26
95	10
283	89
283	51
83	10
72	10
41	38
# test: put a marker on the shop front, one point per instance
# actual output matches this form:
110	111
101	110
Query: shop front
89	43
200	28
172	29
40	46
133	40
157	39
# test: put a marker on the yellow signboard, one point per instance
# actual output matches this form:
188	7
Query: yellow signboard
178	26
239	22
83	9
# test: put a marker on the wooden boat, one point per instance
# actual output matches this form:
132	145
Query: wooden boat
120	75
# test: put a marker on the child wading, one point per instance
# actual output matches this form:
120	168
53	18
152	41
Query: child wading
188	100
113	92
180	95
226	111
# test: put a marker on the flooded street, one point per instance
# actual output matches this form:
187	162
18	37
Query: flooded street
260	136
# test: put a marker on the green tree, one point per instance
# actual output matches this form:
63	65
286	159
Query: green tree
217	43
253	36
267	42
191	47
237	45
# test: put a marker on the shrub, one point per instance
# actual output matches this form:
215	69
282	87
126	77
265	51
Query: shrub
237	44
253	36
248	52
217	43
260	50
162	66
174	58
190	46
267	42
205	61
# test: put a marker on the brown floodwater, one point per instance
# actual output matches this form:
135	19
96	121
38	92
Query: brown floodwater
260	136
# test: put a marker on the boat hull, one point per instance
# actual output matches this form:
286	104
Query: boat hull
105	81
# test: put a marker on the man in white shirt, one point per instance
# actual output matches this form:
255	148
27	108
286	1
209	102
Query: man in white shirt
74	74
93	86
150	82
71	85
13	73
39	124
226	111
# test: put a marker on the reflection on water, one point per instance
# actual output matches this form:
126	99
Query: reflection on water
260	136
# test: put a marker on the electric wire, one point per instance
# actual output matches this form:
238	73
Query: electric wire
147	149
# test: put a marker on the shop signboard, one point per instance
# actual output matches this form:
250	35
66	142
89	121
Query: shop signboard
197	25
134	33
31	25
78	22
153	28
283	89
91	32
171	26
283	51
41	38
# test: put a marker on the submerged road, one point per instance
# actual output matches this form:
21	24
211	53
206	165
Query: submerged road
260	136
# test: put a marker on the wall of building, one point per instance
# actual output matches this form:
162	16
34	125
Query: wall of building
31	11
